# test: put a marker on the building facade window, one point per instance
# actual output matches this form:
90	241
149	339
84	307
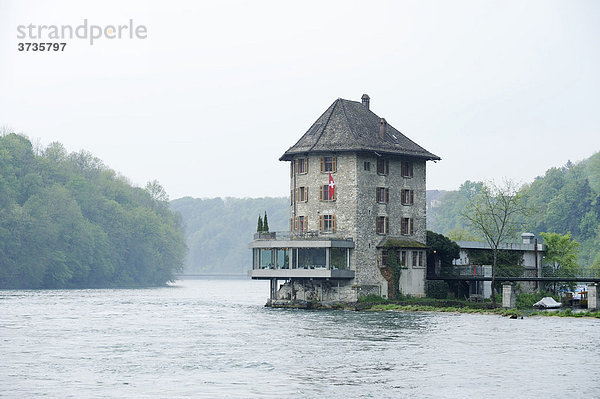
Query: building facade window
403	258
417	258
406	227
302	194
382	195
324	193
367	166
407	169
383	166
327	223
382	225
301	165
301	224
328	164
407	197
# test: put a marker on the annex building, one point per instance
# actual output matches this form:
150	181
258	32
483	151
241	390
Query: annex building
357	192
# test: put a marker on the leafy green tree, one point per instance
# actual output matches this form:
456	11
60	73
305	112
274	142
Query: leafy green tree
461	235
441	249
561	256
157	193
446	217
496	212
66	220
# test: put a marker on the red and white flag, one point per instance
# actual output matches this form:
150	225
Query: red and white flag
331	187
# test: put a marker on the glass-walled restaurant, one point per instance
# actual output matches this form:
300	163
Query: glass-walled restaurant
331	258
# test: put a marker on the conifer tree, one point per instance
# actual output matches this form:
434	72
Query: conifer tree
259	227
265	223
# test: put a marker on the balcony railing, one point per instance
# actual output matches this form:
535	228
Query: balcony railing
307	235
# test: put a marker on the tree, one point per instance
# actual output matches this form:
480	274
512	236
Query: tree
265	223
496	212
157	192
561	256
442	248
461	235
259	227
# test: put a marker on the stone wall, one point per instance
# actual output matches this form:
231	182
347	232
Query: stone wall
318	290
356	209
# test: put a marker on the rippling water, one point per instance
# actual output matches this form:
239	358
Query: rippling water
214	338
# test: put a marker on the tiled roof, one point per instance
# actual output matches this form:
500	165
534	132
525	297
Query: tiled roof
350	126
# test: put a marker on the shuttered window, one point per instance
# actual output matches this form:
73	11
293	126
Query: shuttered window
383	166
327	223
408	197
328	164
324	193
301	223
382	225
382	195
301	166
407	169
302	194
406	227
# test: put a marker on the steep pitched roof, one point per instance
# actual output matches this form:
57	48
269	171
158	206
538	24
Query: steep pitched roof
350	126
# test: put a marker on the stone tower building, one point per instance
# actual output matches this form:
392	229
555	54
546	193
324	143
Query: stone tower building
357	192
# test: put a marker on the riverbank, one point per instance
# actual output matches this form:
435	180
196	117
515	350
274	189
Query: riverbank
377	304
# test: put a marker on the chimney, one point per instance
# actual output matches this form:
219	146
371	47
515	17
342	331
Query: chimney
365	100
382	128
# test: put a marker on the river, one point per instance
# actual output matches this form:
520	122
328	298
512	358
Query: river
214	338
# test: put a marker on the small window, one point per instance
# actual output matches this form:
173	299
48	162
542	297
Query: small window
324	193
407	169
301	223
367	166
328	164
327	223
302	194
383	166
301	166
408	197
417	258
382	195
383	225
406	227
403	258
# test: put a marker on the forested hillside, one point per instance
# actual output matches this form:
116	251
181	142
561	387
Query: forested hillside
66	220
566	199
218	230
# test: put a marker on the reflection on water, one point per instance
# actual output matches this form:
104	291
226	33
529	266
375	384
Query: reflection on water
211	338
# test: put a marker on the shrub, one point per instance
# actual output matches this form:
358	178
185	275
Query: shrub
372	298
437	289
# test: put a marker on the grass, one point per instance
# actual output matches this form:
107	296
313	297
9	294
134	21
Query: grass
409	304
569	313
446	309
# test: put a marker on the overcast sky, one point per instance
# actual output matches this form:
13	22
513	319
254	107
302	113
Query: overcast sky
218	90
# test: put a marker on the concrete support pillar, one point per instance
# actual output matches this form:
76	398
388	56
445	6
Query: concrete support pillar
509	299
273	290
593	297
